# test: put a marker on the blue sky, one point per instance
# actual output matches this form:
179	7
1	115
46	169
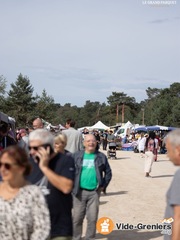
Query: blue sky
82	50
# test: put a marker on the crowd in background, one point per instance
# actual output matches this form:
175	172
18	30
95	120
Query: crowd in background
51	181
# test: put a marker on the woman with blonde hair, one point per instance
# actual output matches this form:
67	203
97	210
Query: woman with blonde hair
60	142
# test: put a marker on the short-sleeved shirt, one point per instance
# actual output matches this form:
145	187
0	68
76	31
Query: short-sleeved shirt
172	198
110	137
60	204
88	179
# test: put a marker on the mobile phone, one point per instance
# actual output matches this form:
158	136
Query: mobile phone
48	145
45	146
37	159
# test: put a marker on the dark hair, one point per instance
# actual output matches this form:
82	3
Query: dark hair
4	127
152	136
70	122
20	156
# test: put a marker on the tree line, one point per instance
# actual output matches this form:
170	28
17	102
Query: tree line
162	106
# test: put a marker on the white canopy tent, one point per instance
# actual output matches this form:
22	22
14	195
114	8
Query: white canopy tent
128	125
99	125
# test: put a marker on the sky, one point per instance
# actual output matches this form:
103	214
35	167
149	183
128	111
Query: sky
79	50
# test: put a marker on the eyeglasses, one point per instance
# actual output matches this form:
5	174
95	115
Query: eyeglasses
37	147
7	166
33	147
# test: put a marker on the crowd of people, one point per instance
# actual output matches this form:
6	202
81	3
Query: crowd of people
49	183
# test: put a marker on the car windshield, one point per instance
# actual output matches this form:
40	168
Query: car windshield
121	131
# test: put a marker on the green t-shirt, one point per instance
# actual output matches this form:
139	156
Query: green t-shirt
88	179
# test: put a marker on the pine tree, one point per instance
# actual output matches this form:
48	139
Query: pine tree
45	107
20	100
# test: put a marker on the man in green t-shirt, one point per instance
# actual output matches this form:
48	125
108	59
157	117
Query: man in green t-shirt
92	176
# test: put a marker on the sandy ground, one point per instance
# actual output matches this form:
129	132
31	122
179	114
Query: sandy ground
132	198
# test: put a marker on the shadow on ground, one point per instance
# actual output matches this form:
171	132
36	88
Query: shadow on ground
114	193
159	161
103	202
118	158
161	176
130	235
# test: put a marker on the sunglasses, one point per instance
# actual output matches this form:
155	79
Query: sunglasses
33	147
37	147
7	166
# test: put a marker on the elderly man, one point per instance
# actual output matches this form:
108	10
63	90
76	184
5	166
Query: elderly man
92	175
38	123
57	182
173	194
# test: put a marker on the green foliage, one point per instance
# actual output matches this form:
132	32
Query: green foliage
45	107
2	92
161	107
3	83
152	92
90	113
121	104
104	115
20	100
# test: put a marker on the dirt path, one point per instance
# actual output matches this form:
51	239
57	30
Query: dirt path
132	198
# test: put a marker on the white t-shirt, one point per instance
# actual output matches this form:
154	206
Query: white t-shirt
156	143
141	143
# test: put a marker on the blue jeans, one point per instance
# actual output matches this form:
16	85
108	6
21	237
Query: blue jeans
87	203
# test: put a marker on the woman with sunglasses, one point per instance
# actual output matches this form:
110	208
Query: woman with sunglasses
23	211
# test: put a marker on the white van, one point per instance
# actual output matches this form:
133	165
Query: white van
124	130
